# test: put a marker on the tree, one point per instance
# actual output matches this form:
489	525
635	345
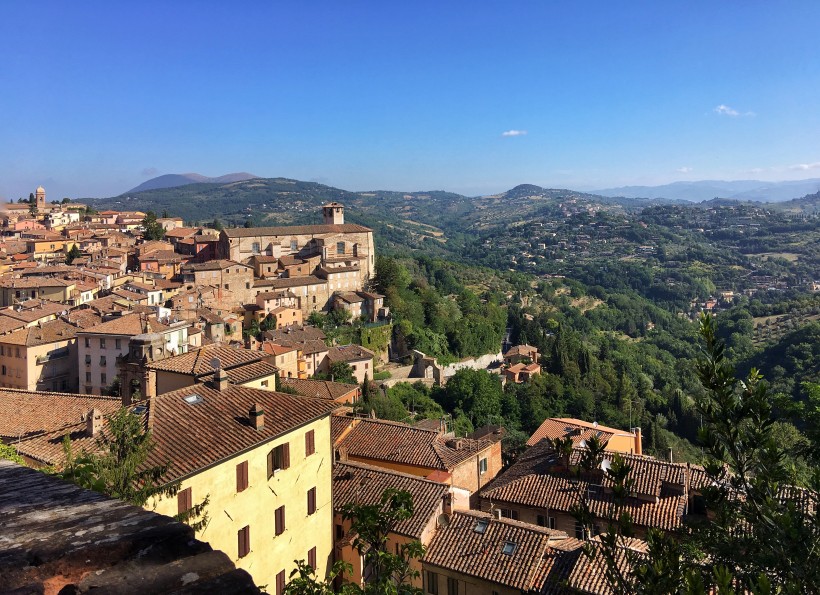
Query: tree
118	467
760	534
217	224
32	208
341	372
73	254
152	229
391	570
66	200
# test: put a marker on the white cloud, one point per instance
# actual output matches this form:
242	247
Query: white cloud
514	133
805	166
684	170
725	110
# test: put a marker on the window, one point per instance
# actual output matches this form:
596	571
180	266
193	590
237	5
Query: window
482	466
102	343
104	379
280	582
481	526
541	520
509	547
312	557
278	459
244	539
294	245
552	522
508	513
87	342
102	360
264	383
279	520
310	443
242	476
118	343
88	376
87	360
184	503
311	500
255	247
4	370
340	247
452	586
432	582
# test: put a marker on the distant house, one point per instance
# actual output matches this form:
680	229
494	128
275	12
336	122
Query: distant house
614	440
520	372
520	354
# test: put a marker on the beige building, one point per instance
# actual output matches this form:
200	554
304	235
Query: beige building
41	357
233	281
99	347
357	357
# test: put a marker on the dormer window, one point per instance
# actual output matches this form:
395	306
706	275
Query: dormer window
509	548
481	526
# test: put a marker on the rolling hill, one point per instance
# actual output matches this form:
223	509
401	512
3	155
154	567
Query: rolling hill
175	180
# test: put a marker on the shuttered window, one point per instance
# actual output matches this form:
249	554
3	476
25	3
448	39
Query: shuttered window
280	583
311	501
312	558
242	476
184	502
278	459
244	539
279	520
310	444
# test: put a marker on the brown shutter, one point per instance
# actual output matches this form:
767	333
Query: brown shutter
311	501
312	558
270	464
244	539
280	583
242	476
184	501
286	455
310	445
279	520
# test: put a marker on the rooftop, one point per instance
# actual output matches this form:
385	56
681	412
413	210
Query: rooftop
321	389
292	230
198	362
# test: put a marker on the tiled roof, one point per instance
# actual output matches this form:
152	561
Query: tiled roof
553	427
85	318
36	422
364	484
293	230
181	232
130	324
349	353
214	265
193	436
396	442
306	347
8	324
32	310
536	481
460	548
321	389
245	372
48	332
297	333
275	349
198	362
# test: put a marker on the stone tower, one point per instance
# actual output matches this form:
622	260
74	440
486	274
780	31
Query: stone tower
40	198
334	213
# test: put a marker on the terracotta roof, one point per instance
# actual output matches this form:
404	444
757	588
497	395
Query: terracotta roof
297	332
246	372
32	310
8	324
351	297
536	481
130	324
36	422
193	436
275	349
349	353
243	232
198	362
214	265
555	427
321	389
85	318
52	331
181	232
30	282
502	551
390	441
365	484
521	350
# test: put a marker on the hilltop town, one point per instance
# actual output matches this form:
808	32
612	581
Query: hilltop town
250	355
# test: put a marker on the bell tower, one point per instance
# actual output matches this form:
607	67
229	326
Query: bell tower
40	198
334	213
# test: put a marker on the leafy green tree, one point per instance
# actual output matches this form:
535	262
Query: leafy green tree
73	254
152	229
342	372
217	225
9	453
475	392
118	467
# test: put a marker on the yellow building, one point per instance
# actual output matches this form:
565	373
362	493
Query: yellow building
264	462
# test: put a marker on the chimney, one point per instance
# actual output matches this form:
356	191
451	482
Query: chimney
257	417
220	381
93	422
638	443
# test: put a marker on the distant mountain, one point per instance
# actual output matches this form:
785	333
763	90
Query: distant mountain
755	190
174	180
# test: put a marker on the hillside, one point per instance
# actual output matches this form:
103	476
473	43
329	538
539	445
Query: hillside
740	190
176	180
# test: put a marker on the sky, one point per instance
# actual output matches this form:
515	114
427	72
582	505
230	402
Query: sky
471	97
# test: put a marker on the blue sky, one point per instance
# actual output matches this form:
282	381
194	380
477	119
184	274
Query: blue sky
96	97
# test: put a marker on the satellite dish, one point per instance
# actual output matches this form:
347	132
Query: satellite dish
216	364
443	520
606	464
582	444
